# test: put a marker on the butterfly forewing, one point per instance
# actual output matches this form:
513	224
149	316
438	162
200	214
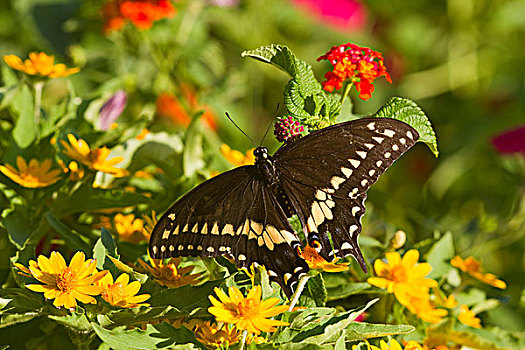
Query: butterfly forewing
233	214
327	173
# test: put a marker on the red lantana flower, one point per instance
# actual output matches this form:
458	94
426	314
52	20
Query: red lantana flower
361	65
142	13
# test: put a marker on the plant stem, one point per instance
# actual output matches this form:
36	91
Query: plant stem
348	86
38	101
298	291
243	339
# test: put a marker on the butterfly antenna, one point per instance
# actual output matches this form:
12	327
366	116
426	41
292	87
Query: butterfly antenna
270	125
237	126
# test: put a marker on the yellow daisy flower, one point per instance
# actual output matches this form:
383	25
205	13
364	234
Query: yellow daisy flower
237	158
65	284
214	336
467	317
95	159
403	277
32	175
40	64
473	268
393	345
129	228
422	308
169	274
250	313
316	261
121	292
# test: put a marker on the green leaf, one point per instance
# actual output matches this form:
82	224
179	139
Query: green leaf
160	336
76	320
303	95
124	317
292	346
87	198
25	130
409	112
71	237
340	287
317	290
361	330
192	155
439	256
18	305
186	298
105	246
317	325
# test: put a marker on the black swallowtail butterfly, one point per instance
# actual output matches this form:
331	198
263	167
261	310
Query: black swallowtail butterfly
322	178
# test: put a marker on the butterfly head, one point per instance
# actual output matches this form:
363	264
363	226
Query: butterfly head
261	154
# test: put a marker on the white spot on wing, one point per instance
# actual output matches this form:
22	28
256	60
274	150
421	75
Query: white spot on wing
369	145
321	195
346	171
355	163
241	257
336	181
361	154
166	234
395	147
171	216
346	245
378	139
355	210
371	126
378	163
403	141
364	182
387	155
371	172
353	228
389	133
409	134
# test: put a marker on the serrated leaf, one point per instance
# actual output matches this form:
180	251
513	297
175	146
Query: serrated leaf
25	130
186	298
160	336
303	95
409	112
361	330
439	256
76	320
126	317
317	325
318	290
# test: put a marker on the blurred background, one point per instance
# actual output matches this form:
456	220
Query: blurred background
462	61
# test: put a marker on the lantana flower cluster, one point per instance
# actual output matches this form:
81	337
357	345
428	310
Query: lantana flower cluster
142	13
287	128
359	65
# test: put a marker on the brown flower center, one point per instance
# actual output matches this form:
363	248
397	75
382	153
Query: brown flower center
67	280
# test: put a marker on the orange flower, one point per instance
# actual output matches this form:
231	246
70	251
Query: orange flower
173	107
250	313
360	65
170	274
316	261
121	292
130	229
65	284
40	64
237	158
473	268
95	159
468	317
142	13
33	175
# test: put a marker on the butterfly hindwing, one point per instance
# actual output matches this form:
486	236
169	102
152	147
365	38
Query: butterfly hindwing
233	214
326	175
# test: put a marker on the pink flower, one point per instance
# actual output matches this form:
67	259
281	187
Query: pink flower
112	109
511	141
287	128
341	15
